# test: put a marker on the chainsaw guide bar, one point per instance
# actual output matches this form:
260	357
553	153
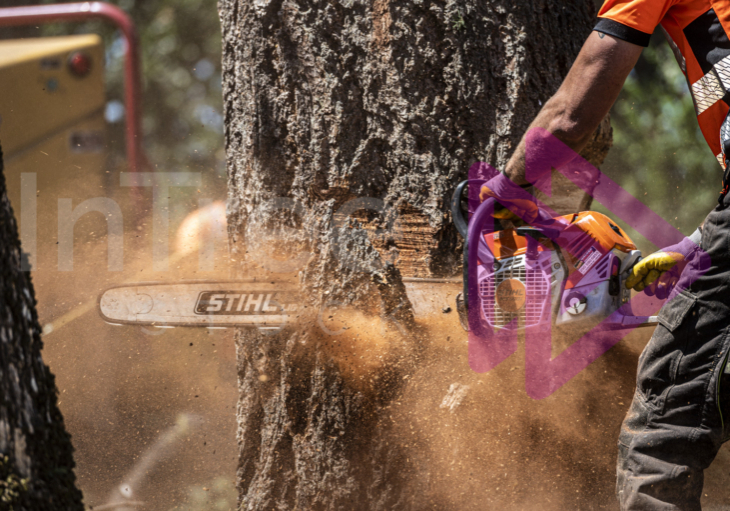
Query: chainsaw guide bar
255	303
201	303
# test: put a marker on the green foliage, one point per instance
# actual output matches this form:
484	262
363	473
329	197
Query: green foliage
11	486
659	154
180	45
457	22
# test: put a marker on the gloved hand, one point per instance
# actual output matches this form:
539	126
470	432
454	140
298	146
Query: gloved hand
513	201
658	273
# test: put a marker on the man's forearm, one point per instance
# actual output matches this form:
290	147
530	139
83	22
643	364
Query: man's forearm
584	98
551	119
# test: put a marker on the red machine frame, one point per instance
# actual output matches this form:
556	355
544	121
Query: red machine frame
82	11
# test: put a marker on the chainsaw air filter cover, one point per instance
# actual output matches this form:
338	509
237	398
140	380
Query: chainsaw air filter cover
578	282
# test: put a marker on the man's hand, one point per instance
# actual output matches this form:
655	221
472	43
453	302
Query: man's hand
657	274
513	208
513	202
651	268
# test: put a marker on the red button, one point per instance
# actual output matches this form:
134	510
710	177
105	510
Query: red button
79	64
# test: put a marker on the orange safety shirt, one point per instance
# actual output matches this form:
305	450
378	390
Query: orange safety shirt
698	31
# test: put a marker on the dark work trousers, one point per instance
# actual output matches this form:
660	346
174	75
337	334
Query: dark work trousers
679	415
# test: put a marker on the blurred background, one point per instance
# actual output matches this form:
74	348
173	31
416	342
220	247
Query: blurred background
152	412
180	45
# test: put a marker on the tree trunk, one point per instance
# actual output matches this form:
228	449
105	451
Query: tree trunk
327	102
36	457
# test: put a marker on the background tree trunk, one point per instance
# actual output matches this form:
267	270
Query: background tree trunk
326	102
36	457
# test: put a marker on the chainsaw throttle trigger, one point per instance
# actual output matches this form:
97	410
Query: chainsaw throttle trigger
629	261
532	232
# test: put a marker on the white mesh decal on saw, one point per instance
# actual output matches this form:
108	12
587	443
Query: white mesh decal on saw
537	291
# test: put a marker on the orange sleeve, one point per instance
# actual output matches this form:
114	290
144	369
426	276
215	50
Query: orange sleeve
639	16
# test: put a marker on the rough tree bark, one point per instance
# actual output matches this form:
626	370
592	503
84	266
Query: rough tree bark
36	457
326	102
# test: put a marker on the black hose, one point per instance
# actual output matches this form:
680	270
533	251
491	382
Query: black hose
461	224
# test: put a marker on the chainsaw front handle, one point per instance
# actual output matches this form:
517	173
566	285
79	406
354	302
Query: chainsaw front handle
459	221
462	224
481	216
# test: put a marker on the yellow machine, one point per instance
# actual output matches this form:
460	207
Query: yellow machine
52	131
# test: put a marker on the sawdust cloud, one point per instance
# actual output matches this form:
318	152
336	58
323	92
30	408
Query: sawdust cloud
151	411
490	446
478	439
481	442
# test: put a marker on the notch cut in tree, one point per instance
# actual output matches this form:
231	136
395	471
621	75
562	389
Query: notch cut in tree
327	103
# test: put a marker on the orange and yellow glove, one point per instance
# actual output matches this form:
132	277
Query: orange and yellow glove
653	273
513	201
658	273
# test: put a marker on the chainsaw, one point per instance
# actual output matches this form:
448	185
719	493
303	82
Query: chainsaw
521	277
